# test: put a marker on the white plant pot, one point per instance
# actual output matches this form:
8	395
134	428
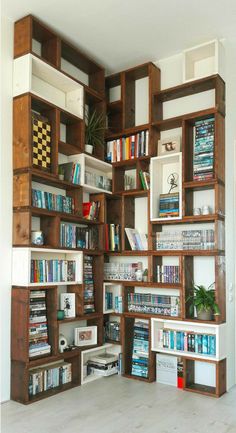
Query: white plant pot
89	148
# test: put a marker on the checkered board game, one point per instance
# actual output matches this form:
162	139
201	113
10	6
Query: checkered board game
41	141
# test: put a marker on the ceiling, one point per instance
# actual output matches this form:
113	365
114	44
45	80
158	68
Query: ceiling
123	33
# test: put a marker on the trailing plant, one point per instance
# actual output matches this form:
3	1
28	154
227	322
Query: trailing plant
94	128
203	299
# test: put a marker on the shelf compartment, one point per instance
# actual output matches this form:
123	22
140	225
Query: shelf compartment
191	382
32	74
86	354
114	290
71	134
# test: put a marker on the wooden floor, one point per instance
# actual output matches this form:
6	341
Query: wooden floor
119	405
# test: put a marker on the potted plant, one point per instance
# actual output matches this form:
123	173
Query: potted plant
95	124
204	300
61	173
145	275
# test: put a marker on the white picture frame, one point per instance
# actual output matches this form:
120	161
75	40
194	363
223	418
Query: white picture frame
169	145
85	336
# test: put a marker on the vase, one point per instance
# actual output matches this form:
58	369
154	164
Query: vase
204	315
89	148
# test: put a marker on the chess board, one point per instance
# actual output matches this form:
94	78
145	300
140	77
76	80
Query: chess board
41	142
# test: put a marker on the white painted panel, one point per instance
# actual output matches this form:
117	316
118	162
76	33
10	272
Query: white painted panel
205	373
141	101
74	72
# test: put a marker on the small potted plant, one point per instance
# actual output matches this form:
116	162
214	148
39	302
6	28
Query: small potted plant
204	300
61	173
95	124
145	275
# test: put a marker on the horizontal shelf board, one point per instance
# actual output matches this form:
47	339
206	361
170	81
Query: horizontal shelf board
115	106
134	193
36	211
176	122
128	253
131	376
201	389
65	283
203	322
187	89
188	253
68	149
190	219
92	95
113	342
83	317
47	178
150	316
185	354
131	161
94	189
51	392
113	313
202	184
90	379
65	249
145	284
52	358
128	131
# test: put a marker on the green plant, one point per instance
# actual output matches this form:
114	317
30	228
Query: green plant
61	170
94	128
145	273
203	299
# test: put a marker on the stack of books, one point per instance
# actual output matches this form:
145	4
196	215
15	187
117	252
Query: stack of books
72	236
168	274
112	331
38	327
91	210
203	155
49	377
50	201
89	301
169	205
204	344
140	354
130	147
137	241
71	171
52	271
99	181
186	240
149	303
121	271
105	364
112	237
145	179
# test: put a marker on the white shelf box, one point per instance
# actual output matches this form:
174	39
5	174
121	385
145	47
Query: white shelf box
33	75
203	60
192	327
96	168
116	291
21	265
85	356
161	167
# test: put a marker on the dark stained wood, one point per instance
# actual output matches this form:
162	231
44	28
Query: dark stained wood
176	122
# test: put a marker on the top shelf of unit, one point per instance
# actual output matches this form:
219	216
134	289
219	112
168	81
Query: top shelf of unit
176	122
190	88
127	131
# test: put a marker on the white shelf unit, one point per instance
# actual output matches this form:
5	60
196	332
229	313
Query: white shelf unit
116	290
85	356
94	166
161	167
33	75
203	60
21	265
199	328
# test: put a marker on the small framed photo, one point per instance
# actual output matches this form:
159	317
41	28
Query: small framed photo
169	145
85	336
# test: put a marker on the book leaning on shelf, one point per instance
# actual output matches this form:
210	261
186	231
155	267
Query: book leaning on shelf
137	241
38	325
71	171
124	148
145	179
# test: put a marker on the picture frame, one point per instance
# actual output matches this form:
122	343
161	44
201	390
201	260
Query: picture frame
169	145
85	336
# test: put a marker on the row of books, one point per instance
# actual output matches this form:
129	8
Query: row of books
71	171
168	274
124	148
203	154
89	293
112	331
121	271
137	241
113	302
38	327
150	303
204	344
52	271
72	236
169	205
49	377
140	353
50	201
145	179
185	240
99	181
112	237
91	210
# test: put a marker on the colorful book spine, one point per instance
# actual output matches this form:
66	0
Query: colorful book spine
124	148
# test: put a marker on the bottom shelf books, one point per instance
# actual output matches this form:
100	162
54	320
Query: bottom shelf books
89	305
169	370
140	355
49	376
38	326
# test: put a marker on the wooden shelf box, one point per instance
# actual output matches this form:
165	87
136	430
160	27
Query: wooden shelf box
116	291
85	356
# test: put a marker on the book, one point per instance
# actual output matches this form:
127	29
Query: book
124	148
112	237
166	369
137	241
71	172
91	210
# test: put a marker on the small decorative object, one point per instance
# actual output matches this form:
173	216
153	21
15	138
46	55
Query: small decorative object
172	181
139	272
95	125
204	300
60	314
61	173
85	336
37	237
68	304
41	142
145	275
197	211
205	210
129	182
62	343
169	145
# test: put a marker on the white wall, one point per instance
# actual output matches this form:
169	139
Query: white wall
6	201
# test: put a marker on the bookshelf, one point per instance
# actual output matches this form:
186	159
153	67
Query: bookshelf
127	205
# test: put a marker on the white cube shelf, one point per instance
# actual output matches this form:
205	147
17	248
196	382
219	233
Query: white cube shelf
85	356
116	290
160	169
94	166
33	75
192	327
203	60
21	265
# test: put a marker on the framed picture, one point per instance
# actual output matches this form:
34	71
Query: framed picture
85	336
169	145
